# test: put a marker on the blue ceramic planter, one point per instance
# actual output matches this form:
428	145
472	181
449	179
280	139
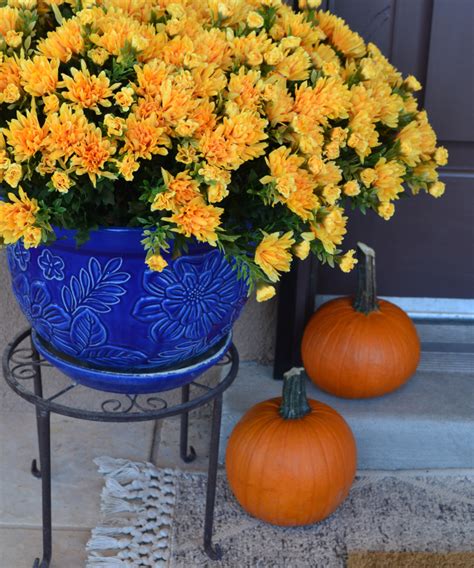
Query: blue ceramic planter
99	307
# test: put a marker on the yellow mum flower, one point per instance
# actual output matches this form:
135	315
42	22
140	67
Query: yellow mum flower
114	124
51	104
389	179
216	192
65	129
302	250
144	139
331	230
294	67
273	254
186	154
91	154
13	39
368	176
265	292
196	219
283	166
328	99
341	36
180	190
13	175
437	189
61	181
245	89
127	167
64	42
274	55
330	173
124	98
25	135
386	210
250	49
303	200
10	94
86	90
237	139
9	74
98	55
255	20
412	83
348	261
279	106
441	156
156	262
351	188
331	193
9	18
17	220
410	143
39	75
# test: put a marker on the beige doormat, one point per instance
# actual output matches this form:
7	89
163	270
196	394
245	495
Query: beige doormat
154	518
410	560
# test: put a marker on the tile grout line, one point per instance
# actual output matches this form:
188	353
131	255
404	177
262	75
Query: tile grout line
30	527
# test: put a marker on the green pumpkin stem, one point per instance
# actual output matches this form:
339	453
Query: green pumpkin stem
294	403
366	296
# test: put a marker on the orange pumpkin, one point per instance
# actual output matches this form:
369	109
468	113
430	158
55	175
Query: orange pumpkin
291	461
360	348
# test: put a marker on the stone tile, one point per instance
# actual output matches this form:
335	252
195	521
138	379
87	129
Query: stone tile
76	485
166	450
19	547
426	424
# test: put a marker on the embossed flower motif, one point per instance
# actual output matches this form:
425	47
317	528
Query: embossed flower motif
188	299
35	301
17	254
51	266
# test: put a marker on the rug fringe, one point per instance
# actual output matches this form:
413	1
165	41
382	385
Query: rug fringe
137	506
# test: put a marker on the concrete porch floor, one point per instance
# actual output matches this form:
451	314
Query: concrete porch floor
76	485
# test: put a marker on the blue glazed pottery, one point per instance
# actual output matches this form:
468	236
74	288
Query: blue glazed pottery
99	306
136	382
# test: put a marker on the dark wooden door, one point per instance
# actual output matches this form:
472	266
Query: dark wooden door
426	250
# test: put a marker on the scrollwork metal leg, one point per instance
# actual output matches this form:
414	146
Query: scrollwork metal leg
38	390
213	551
44	436
183	438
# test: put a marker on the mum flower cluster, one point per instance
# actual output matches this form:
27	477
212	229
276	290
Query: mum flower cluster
239	123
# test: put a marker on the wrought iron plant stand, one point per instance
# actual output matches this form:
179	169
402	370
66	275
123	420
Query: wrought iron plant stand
22	368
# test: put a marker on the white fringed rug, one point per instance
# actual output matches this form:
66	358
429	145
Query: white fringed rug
154	518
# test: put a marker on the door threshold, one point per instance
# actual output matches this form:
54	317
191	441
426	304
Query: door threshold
446	309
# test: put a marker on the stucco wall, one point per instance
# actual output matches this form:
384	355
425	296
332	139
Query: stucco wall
254	332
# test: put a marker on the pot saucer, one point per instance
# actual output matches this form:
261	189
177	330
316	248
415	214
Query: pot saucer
133	382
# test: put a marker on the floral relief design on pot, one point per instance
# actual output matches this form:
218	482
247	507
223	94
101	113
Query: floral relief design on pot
51	266
190	300
111	312
18	257
48	319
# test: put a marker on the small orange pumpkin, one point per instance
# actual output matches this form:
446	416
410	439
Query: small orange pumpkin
291	461
360	348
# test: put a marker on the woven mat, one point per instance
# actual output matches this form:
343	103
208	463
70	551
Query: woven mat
154	518
410	560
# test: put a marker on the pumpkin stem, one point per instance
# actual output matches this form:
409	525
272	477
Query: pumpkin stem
366	296
294	403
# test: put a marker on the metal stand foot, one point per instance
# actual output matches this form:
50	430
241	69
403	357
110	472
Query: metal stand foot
183	439
35	470
214	552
